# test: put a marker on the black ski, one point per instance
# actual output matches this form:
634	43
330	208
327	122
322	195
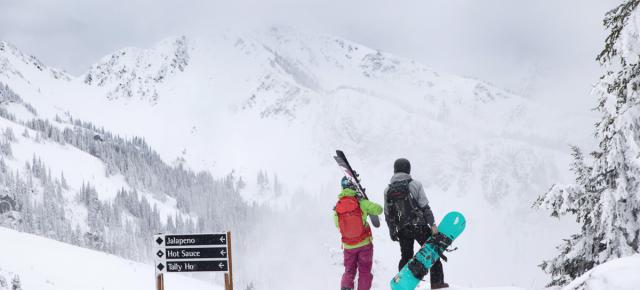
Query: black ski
350	173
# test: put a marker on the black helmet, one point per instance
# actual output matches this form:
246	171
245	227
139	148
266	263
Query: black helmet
402	165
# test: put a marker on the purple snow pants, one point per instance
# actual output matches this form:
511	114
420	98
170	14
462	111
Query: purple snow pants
358	260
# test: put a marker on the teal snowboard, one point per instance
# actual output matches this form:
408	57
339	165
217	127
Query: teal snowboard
412	273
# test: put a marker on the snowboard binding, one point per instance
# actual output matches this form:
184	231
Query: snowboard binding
440	242
417	269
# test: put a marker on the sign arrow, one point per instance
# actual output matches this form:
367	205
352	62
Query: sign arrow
223	252
221	266
222	239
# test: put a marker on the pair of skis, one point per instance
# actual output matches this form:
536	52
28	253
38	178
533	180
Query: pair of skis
342	161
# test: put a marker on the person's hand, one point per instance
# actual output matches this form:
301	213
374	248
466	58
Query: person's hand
434	229
393	234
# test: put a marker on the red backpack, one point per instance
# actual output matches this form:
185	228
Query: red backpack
350	222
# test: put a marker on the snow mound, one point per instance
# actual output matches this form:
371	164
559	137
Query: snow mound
619	274
46	264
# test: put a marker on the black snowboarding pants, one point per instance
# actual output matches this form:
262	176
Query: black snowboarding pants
419	234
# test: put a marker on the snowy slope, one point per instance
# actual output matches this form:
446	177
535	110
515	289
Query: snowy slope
281	101
619	274
77	166
45	264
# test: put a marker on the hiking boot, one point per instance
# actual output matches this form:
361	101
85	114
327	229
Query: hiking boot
439	285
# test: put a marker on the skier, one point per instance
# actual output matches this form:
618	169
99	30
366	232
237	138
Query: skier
410	218
350	216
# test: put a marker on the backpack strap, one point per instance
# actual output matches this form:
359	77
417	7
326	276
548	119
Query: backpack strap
414	201
408	181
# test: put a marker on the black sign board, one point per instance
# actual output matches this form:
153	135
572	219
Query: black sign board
192	253
191	240
194	266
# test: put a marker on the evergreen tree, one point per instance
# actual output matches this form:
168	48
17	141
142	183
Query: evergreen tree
606	195
5	149
63	182
170	227
277	187
8	134
15	283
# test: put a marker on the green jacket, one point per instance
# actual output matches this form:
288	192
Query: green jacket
368	208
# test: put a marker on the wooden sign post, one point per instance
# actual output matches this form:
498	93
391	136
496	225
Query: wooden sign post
228	277
160	281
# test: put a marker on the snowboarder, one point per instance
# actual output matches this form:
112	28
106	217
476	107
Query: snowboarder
409	217
350	216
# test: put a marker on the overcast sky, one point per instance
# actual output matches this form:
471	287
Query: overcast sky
544	49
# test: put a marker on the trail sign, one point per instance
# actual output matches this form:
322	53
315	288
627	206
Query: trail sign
197	266
193	253
191	240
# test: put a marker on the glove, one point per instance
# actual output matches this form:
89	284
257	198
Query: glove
393	232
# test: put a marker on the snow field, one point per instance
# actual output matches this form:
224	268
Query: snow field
45	264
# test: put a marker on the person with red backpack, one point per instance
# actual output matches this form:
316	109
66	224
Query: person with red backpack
350	216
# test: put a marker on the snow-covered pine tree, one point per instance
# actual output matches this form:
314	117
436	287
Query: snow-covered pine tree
262	181
277	187
606	195
15	283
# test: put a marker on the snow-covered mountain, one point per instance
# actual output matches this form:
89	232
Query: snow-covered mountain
220	90
272	106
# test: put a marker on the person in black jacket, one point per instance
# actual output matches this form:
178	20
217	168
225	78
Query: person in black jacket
421	224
